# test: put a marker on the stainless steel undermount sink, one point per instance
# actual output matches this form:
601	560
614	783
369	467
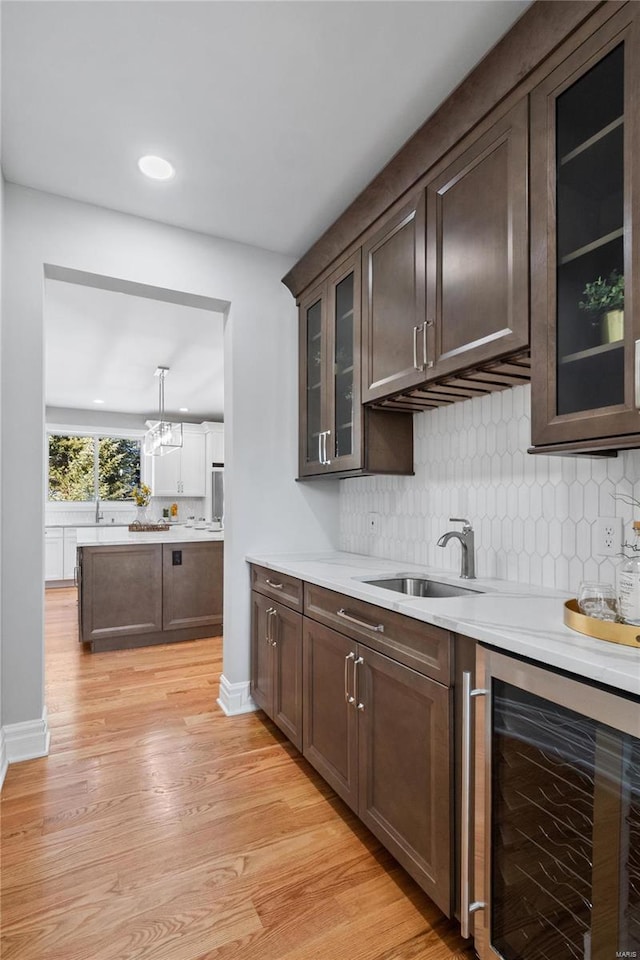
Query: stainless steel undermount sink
423	587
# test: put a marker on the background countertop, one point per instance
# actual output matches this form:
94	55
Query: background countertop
517	618
119	536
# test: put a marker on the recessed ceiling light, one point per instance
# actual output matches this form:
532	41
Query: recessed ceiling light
183	409
98	401
156	168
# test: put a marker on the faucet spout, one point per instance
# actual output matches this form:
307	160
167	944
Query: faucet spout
466	538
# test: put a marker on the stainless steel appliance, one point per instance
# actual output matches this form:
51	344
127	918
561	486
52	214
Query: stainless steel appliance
217	492
557	815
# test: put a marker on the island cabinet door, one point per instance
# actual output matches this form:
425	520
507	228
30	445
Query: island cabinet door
192	585
404	768
121	591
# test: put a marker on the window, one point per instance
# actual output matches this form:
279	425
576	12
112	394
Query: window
89	468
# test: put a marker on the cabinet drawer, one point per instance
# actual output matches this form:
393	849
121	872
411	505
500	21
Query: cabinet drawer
278	586
421	646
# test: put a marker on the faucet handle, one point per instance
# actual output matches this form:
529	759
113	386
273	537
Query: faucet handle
467	523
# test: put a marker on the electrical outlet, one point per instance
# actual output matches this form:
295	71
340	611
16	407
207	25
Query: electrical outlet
373	522
608	536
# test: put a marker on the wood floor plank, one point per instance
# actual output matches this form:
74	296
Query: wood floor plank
159	829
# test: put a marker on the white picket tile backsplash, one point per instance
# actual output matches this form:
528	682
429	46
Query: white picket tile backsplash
534	516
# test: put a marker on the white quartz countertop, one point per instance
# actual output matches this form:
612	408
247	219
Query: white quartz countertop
119	536
514	617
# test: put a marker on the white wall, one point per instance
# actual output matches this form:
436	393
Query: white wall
266	508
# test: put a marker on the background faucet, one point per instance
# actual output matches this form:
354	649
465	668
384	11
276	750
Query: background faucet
466	538
99	516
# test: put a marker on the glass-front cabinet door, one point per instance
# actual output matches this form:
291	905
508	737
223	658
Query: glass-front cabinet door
584	270
331	413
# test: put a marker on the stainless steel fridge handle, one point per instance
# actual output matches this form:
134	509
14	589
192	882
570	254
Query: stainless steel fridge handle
466	908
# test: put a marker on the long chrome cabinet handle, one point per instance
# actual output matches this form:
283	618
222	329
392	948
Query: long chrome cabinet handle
273	613
272	583
415	347
637	377
466	908
347	696
267	634
358	704
320	436
376	627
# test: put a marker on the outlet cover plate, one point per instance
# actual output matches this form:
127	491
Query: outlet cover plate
608	536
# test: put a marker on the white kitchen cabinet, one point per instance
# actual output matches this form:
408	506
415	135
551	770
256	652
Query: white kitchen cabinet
182	472
53	553
215	442
69	547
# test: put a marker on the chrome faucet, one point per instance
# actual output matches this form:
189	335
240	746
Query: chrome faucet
468	562
99	516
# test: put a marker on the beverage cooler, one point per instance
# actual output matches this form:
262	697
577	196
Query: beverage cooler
557	815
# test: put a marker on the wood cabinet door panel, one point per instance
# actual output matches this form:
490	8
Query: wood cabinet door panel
261	653
405	769
286	634
393	303
329	722
192	588
121	590
477	250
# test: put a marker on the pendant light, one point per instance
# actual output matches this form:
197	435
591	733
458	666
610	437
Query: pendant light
162	437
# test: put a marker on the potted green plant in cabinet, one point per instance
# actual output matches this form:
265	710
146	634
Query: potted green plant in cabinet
604	304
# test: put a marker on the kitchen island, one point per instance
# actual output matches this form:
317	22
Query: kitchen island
141	588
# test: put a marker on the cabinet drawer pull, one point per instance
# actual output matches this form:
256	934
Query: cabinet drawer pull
358	704
347	696
376	627
272	583
466	907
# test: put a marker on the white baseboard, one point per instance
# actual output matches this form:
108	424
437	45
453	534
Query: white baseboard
235	698
27	740
4	763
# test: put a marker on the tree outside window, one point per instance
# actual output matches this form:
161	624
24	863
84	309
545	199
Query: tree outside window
90	468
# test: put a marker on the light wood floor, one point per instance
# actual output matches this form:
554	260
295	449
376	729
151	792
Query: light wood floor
160	829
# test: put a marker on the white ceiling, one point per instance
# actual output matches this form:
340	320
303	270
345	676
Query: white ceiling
106	345
275	114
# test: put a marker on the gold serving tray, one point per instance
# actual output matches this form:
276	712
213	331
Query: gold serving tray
601	629
148	527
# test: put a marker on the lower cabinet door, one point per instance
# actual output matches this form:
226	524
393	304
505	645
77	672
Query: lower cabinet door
405	769
261	652
286	645
329	720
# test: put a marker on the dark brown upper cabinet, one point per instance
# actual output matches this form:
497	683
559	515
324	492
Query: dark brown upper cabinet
337	436
585	205
477	278
394	331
